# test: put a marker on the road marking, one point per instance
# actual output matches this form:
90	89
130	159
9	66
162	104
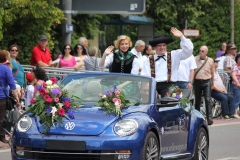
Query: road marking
5	150
224	124
231	158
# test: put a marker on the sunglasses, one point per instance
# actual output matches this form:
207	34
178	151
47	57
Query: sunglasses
14	50
201	51
67	48
79	47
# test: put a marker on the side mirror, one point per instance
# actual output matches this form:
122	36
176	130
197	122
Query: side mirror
168	102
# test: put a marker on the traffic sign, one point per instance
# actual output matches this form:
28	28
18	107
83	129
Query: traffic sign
106	6
191	32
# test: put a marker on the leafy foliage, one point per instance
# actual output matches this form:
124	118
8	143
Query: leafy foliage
25	20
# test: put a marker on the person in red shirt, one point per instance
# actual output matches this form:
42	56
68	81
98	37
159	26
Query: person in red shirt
41	54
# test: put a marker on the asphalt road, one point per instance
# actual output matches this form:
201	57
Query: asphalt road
224	142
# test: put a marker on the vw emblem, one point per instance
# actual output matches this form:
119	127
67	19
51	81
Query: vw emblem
69	125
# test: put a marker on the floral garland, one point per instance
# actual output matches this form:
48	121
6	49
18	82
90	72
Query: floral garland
176	92
51	104
152	66
113	101
169	65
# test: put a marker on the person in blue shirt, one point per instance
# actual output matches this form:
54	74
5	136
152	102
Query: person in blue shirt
6	81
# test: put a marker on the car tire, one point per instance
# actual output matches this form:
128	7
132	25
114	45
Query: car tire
201	146
151	147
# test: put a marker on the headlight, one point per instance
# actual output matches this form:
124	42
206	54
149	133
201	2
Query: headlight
126	127
24	124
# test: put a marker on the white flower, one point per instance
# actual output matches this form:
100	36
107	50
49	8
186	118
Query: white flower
48	87
54	110
104	96
60	105
180	95
174	95
49	82
55	86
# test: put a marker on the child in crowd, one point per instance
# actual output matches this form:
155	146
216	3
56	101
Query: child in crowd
40	76
29	91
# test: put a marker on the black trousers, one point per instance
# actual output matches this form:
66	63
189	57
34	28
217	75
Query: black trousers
203	86
162	87
2	113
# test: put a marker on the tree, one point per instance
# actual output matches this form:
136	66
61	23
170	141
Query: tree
25	20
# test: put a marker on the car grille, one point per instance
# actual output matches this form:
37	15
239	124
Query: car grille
69	155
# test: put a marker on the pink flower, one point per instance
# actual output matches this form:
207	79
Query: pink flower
67	104
54	80
117	93
117	102
100	95
61	112
56	99
114	100
46	96
46	91
44	84
49	100
42	91
33	101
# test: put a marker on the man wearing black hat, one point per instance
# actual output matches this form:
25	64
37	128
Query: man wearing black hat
41	54
163	65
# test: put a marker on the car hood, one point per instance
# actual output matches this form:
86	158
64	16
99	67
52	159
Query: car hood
88	121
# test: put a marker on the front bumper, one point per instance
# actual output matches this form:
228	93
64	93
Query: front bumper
96	147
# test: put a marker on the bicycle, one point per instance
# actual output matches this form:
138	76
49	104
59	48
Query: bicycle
216	107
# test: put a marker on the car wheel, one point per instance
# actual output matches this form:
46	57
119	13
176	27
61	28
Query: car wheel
151	147
201	147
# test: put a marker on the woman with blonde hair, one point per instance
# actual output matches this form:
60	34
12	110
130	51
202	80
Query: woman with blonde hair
92	62
8	61
122	60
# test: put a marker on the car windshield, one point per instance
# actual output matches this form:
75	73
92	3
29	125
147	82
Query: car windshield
87	87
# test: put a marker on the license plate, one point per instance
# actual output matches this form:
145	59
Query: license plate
66	145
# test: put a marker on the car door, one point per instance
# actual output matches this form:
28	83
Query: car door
173	122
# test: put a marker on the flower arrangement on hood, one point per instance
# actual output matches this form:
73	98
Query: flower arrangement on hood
52	104
113	101
176	92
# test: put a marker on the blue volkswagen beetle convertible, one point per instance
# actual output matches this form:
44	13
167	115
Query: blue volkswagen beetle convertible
149	128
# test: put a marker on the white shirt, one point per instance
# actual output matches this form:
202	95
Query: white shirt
29	91
185	67
139	55
135	65
144	58
221	62
161	72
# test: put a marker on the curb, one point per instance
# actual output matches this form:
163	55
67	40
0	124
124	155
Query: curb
5	150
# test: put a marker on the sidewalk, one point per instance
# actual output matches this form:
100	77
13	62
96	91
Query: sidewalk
216	122
4	146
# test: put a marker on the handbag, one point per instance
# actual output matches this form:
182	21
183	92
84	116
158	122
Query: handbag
11	116
10	102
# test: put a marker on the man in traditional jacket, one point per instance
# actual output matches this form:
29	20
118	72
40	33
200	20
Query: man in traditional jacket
163	66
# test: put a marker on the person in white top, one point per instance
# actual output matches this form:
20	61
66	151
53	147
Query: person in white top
186	73
164	70
221	62
122	60
29	90
137	50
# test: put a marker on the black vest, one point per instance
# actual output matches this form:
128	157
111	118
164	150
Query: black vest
121	66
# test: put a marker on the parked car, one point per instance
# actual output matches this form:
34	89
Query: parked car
152	130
